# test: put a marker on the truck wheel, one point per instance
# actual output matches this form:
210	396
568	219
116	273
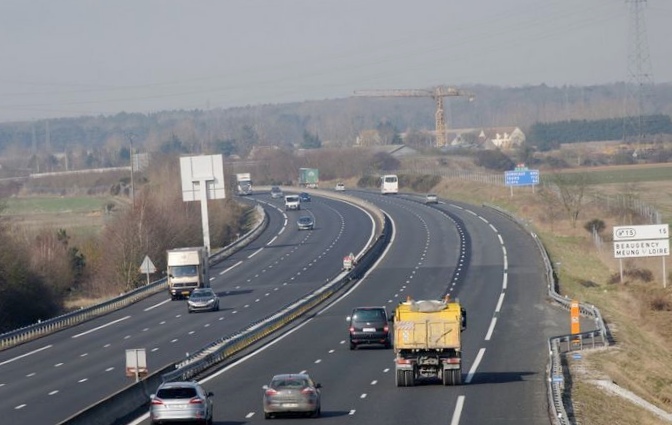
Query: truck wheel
399	378
457	377
446	378
409	379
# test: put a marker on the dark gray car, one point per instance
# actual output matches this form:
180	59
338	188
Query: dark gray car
203	299
369	325
181	402
292	393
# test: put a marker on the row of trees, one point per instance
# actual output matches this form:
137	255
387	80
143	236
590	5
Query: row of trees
101	141
40	270
549	136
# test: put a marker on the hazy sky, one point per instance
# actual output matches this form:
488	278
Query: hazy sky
85	57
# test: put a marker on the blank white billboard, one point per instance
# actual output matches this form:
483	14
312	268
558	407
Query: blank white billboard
205	169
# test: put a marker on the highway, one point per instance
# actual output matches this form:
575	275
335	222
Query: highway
50	379
474	254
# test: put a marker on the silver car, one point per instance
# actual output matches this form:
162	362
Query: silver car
305	222
292	393
203	299
276	192
181	402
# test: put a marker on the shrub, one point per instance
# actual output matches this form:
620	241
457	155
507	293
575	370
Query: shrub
596	225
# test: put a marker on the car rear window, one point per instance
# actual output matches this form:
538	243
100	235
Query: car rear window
178	392
289	383
368	315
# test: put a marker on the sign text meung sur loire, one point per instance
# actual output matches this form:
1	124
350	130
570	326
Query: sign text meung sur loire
641	241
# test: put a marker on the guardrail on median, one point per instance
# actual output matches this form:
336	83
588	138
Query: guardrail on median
224	348
554	368
136	396
42	328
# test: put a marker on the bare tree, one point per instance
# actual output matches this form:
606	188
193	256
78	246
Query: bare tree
552	207
572	189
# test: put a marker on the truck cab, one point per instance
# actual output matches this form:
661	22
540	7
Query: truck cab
292	202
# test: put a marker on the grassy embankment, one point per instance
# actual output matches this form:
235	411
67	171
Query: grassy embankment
638	313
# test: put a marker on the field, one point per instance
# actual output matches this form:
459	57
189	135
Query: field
81	214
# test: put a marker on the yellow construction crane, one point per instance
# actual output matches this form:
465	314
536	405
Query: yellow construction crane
437	93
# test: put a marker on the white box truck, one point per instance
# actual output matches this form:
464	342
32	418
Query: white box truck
187	270
292	202
243	184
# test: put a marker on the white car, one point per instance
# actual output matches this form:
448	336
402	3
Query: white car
431	199
340	187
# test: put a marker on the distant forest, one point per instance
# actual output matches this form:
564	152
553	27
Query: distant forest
101	141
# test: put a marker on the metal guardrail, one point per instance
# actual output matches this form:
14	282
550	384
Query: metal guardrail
42	328
131	399
224	348
554	368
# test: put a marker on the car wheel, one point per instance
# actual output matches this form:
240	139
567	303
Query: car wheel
189	310
352	346
316	413
267	415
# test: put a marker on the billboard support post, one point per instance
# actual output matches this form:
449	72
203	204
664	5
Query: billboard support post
203	179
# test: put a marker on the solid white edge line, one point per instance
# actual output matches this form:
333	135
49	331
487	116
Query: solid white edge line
255	252
491	329
235	265
505	280
458	410
472	371
26	355
101	327
152	307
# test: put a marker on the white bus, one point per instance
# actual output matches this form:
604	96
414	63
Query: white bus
389	183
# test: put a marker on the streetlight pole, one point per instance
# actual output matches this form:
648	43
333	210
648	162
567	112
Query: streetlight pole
130	139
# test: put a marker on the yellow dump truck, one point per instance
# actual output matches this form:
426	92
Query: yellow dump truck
428	342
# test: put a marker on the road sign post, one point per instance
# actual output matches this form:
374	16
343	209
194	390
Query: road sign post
651	240
521	176
147	267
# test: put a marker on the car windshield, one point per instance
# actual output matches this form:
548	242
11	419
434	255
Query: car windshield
305	220
201	294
